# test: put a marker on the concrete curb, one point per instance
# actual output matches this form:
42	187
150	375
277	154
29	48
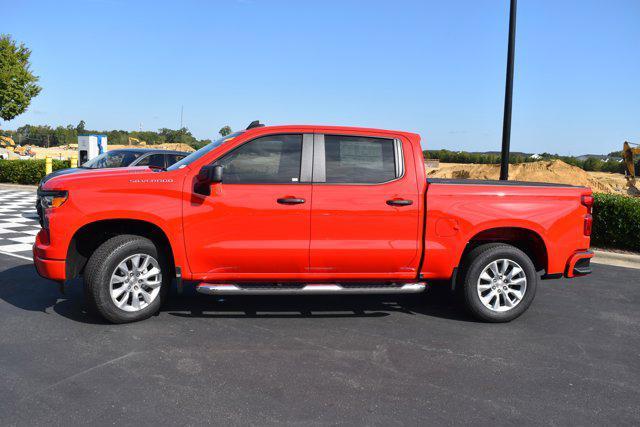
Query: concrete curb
615	258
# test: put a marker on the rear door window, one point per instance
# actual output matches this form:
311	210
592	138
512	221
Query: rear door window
359	160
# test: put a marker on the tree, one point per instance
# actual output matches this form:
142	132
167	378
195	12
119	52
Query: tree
592	164
225	130
17	82
80	128
181	135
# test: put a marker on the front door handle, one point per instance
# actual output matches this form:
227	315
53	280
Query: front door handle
399	202
290	201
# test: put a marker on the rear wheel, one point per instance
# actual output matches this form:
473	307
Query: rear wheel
499	282
126	279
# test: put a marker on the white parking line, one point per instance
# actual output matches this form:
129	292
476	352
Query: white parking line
16	255
18	223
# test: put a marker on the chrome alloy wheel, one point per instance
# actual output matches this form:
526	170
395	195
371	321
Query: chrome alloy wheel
502	285
135	282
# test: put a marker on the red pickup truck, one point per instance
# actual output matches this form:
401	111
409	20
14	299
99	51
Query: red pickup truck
307	210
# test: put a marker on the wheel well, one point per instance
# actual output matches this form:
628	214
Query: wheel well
524	239
89	237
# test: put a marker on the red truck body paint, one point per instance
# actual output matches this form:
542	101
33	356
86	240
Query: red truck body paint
342	232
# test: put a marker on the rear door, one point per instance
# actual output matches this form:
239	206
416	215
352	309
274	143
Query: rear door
365	213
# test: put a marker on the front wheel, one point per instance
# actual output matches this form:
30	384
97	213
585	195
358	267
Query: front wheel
499	282
126	279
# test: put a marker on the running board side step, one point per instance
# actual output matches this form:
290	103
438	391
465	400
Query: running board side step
321	289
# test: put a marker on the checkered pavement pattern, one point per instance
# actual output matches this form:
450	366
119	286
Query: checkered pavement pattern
18	222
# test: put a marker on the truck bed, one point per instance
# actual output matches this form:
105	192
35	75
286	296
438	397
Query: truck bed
541	214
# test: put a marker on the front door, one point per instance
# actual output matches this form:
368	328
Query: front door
255	224
365	213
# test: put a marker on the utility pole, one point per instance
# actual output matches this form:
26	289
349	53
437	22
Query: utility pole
508	94
181	111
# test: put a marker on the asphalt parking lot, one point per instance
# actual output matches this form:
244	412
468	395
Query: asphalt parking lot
573	358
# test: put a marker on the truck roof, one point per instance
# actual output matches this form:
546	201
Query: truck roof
326	128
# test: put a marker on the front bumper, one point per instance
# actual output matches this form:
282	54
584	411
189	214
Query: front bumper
53	269
579	264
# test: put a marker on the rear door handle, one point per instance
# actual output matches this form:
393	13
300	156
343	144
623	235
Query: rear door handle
399	202
290	201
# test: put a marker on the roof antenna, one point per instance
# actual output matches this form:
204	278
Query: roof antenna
255	124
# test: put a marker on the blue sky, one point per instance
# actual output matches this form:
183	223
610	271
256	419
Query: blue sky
432	67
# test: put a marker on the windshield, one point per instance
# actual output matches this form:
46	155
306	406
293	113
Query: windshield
201	152
112	159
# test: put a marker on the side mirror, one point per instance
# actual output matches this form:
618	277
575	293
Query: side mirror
216	175
209	174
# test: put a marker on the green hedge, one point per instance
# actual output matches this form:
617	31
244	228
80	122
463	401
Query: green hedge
26	171
616	222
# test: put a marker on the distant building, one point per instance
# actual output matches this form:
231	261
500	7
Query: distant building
592	156
602	157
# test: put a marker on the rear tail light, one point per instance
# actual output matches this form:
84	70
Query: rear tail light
588	223
587	200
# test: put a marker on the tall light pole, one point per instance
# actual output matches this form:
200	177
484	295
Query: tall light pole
508	94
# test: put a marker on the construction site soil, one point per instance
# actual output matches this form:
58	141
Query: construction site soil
555	171
63	153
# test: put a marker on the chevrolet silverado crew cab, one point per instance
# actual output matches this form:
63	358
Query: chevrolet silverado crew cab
307	210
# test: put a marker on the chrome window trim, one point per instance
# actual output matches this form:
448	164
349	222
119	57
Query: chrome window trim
397	145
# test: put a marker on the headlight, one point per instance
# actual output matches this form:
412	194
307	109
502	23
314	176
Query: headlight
52	199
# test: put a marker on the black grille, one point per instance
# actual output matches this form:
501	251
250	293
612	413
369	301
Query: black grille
39	210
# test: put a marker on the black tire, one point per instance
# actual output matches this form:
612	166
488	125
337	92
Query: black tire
100	267
473	265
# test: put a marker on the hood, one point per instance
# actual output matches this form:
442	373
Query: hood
65	178
59	172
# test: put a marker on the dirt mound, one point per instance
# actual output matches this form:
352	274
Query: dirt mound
64	152
555	171
167	146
